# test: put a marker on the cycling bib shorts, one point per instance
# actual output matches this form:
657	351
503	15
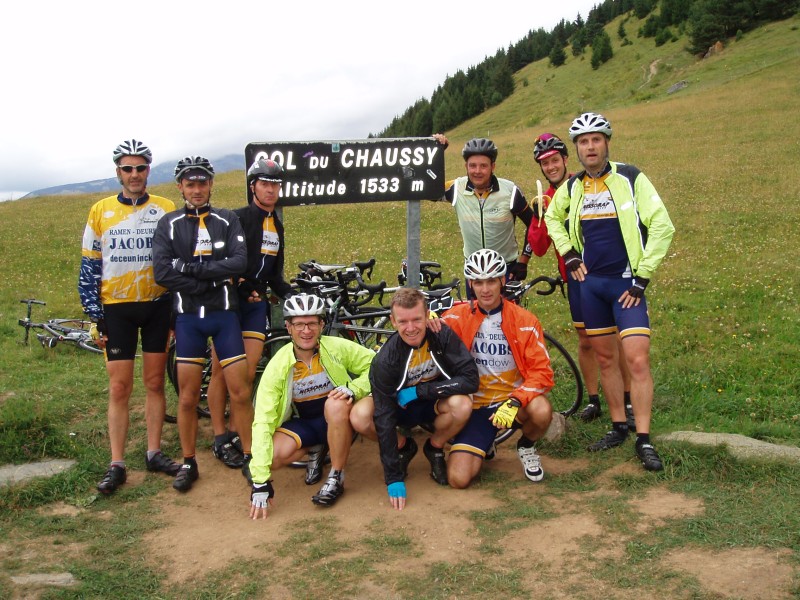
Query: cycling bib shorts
604	315
192	333
306	432
125	319
478	434
253	317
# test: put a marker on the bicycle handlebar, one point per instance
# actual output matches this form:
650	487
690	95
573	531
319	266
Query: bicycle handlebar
516	289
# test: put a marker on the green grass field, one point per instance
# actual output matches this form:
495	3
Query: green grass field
723	154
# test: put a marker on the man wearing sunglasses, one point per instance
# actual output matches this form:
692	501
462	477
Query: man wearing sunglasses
118	291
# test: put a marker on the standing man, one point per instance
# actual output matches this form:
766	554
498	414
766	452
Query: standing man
487	207
618	233
317	378
507	344
119	293
198	253
263	233
551	154
417	377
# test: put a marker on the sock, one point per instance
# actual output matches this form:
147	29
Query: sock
627	397
595	399
621	428
524	442
152	453
222	439
117	463
642	438
232	435
190	460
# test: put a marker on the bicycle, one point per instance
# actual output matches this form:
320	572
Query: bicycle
77	332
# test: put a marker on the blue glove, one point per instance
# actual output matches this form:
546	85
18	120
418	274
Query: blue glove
397	489
406	395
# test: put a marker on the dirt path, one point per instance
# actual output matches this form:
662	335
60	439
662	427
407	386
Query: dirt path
436	519
210	526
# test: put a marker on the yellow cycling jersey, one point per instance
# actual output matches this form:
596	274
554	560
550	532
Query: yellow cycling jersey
121	236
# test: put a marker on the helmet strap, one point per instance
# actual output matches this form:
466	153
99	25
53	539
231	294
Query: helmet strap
191	206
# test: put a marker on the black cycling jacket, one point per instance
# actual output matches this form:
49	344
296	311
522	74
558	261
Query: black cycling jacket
211	286
262	269
388	374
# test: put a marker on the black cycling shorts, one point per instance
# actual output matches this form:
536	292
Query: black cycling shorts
125	319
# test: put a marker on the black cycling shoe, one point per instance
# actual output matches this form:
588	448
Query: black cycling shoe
162	464
187	475
114	477
228	454
610	440
649	457
236	441
590	413
406	453
316	460
629	418
329	493
435	456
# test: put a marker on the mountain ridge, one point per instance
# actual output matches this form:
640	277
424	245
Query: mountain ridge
161	173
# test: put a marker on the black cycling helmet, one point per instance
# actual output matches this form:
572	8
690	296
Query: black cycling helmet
132	148
195	168
546	145
265	169
480	146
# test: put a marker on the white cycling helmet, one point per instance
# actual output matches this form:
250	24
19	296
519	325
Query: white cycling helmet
132	148
484	264
589	123
304	305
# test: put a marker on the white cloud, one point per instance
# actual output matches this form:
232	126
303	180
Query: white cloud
207	77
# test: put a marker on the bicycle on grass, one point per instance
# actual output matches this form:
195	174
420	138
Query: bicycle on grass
77	332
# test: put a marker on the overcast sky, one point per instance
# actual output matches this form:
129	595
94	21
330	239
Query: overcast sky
209	77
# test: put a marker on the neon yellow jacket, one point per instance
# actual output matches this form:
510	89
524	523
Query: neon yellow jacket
345	362
646	227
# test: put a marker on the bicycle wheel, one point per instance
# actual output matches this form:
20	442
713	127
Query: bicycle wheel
567	393
75	331
172	374
87	343
67	327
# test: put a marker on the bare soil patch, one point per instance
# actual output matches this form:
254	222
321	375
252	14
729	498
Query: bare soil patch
743	573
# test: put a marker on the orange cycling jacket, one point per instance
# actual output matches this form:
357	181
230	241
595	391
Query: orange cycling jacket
525	338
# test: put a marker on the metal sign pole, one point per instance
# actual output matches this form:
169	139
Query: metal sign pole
413	212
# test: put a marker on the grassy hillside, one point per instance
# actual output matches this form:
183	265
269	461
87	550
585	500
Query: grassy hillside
723	154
